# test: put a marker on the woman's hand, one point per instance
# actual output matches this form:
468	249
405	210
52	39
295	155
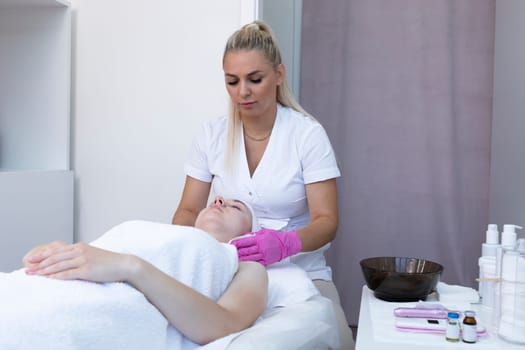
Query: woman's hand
268	246
76	261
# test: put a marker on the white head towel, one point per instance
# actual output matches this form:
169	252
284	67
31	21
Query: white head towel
255	222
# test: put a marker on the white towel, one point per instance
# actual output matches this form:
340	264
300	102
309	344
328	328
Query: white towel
288	284
41	313
454	294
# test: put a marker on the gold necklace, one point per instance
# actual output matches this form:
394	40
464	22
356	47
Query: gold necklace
257	139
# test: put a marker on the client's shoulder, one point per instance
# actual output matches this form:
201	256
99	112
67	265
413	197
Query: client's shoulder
252	269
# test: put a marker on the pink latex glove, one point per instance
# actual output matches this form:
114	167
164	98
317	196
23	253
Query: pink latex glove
268	246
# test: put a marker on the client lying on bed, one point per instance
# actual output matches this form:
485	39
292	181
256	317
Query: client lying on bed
195	281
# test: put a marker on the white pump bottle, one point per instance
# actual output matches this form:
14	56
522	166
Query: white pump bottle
490	247
511	296
487	266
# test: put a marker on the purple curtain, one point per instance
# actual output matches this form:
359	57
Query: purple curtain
404	90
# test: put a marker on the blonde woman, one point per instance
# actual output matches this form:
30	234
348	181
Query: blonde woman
272	154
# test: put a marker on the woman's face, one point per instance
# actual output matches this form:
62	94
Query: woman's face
225	219
252	82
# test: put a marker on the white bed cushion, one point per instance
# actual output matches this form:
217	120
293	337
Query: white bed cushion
288	284
308	325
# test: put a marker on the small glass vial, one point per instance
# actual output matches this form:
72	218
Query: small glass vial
470	328
452	332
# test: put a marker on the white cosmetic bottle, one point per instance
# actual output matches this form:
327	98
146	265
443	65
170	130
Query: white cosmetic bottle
511	313
487	266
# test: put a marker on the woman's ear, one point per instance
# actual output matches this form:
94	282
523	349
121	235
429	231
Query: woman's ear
281	73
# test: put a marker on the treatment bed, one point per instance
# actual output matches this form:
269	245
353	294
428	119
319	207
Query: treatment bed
37	312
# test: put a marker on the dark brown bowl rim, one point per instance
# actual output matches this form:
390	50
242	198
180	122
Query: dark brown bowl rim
440	267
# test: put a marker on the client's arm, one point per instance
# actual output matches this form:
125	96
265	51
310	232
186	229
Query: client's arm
193	314
196	316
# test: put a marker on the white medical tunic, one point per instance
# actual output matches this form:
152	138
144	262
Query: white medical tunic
298	153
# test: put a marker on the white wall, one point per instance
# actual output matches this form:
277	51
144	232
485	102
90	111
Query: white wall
507	178
146	74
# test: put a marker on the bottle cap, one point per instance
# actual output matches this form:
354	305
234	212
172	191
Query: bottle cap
453	315
492	234
508	236
489	248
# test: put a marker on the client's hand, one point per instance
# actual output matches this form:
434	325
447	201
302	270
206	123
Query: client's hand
268	246
76	261
31	258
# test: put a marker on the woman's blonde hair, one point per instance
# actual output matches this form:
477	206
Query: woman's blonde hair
255	36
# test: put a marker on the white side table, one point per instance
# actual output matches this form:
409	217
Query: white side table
378	313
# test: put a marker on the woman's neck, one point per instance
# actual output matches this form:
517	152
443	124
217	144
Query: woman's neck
259	128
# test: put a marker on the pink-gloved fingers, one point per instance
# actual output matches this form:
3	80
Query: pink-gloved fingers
248	251
254	257
245	242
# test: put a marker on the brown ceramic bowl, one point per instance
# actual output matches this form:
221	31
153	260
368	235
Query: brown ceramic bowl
401	279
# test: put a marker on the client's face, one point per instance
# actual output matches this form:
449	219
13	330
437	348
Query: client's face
225	219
